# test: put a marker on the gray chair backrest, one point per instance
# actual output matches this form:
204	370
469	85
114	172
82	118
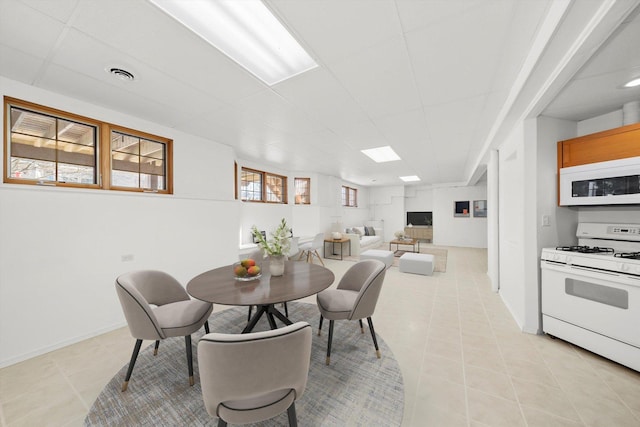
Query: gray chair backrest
137	290
240	366
365	277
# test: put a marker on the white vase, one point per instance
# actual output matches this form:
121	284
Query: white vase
276	265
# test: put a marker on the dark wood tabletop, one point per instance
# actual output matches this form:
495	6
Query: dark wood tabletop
300	280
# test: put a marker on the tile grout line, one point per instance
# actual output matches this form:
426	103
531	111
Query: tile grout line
464	370
509	376
564	392
424	352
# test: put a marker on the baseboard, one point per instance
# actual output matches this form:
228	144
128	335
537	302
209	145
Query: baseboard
43	350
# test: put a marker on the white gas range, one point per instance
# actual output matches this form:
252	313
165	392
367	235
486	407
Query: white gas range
591	292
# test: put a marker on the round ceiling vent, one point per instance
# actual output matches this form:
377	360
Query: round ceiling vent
122	74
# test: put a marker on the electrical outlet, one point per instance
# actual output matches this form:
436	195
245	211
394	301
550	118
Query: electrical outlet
127	258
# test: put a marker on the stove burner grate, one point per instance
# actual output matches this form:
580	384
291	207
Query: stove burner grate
628	255
585	249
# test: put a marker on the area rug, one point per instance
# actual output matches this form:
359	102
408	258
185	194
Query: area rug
440	256
357	389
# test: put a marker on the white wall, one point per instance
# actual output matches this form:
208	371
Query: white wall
511	205
418	199
61	249
458	231
387	206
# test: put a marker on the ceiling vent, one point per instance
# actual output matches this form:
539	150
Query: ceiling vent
122	74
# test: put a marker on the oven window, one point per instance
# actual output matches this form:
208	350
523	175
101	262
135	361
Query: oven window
615	186
598	293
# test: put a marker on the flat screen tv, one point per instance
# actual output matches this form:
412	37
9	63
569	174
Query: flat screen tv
420	218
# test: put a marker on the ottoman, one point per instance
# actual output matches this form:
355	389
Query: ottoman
381	255
417	263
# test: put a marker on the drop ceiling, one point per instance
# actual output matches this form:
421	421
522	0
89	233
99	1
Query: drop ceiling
440	81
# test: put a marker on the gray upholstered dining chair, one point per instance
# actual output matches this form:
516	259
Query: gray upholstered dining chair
156	307
354	298
310	249
248	378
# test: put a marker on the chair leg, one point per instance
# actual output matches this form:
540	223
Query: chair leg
361	326
206	327
187	341
373	335
132	362
286	309
330	339
222	423
320	326
291	413
249	316
302	253
155	349
319	257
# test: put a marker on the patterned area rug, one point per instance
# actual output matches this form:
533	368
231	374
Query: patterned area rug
439	254
357	389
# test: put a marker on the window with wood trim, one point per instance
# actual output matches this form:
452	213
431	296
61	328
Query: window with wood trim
260	186
45	146
303	191
138	161
349	197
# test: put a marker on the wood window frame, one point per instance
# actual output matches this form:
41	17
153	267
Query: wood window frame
307	194
350	201
263	186
102	148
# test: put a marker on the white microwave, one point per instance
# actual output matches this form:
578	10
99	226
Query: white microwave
615	182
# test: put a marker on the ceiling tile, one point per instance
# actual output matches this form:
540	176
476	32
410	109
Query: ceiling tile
17	24
334	30
380	79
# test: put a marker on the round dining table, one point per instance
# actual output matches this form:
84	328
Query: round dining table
300	279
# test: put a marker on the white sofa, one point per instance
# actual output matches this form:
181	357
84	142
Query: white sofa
361	243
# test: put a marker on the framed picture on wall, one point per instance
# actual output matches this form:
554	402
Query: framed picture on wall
461	208
480	208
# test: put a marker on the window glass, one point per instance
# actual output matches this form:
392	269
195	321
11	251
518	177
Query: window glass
259	186
303	191
47	148
137	162
250	185
349	196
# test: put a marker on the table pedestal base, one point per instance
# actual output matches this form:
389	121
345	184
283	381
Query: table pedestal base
270	310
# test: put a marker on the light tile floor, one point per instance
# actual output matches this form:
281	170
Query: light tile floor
464	362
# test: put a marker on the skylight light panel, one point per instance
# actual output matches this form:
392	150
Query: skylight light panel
382	154
410	178
247	32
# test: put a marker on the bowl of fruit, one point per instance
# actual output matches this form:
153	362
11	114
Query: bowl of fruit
247	269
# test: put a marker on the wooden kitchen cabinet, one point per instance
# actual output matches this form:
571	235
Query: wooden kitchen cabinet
613	144
420	232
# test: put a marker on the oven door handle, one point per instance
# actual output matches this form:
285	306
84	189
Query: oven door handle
609	273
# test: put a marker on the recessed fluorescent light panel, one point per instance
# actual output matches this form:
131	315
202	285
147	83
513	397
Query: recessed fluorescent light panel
410	178
382	154
633	83
247	32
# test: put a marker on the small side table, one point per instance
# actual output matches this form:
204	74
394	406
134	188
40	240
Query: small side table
341	242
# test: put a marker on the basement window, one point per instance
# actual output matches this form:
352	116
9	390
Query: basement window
260	186
45	146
